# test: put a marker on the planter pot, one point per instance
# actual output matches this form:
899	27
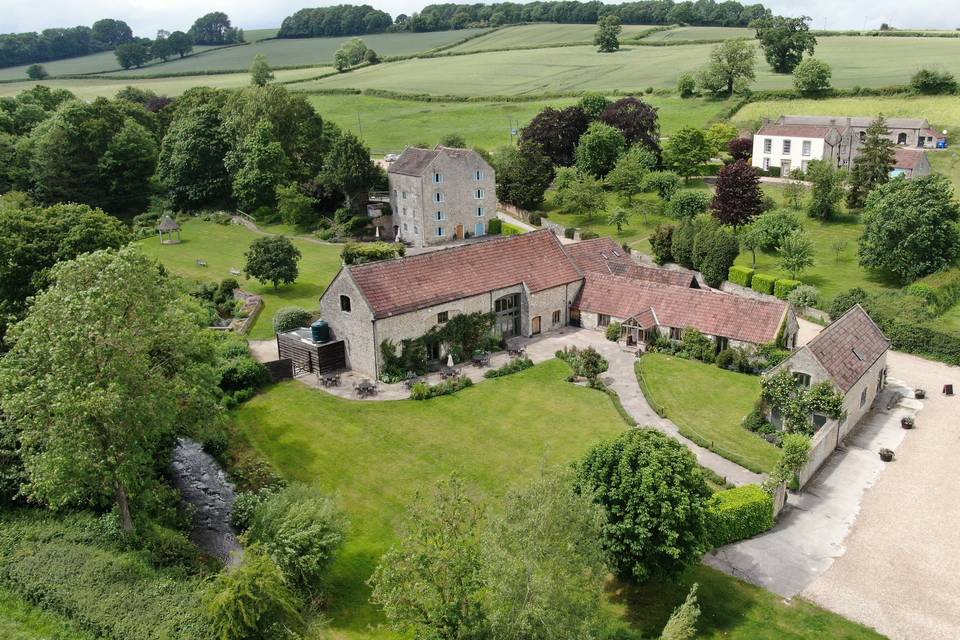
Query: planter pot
907	423
919	394
886	455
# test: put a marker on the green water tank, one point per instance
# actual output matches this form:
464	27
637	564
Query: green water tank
320	331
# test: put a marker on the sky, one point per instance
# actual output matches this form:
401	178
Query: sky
147	16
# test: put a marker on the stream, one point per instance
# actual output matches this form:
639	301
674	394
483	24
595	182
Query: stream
205	486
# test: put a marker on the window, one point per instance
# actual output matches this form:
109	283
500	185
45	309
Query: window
767	145
863	397
439	232
802	379
404	226
433	350
438	178
556	317
863	136
481	212
786	146
806	148
404	211
478	175
403	195
722	343
766	164
901	138
345	303
603	320
416	230
440	215
676	334
443	316
438	197
478	194
818	421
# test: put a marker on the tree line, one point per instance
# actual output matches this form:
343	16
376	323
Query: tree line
346	20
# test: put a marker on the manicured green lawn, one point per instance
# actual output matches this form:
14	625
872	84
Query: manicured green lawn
734	610
375	455
223	246
20	620
708	404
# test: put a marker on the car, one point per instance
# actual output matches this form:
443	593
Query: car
390	157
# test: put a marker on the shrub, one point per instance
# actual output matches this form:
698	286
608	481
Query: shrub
719	249
742	276
687	85
738	514
664	183
253	601
245	505
514	366
243	373
586	363
804	296
941	290
681	244
756	423
569	233
168	547
495	226
689	204
772	227
726	358
844	301
697	346
763	283
301	530
589	235
290	318
782	288
661	241
364	252
933	82
535	218
613	332
424	391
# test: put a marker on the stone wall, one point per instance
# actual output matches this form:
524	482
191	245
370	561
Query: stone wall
354	328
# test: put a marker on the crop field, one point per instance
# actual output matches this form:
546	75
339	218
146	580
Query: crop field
528	35
388	125
91	88
856	61
252	35
943	112
93	63
693	34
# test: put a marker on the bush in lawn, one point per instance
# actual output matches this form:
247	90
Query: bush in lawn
742	276
726	358
495	226
254	601
301	530
772	227
804	296
689	204
763	283
613	331
661	241
514	366
290	318
654	495
782	288
738	514
364	252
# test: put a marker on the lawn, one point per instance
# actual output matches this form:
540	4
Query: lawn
375	455
708	404
388	125
223	246
20	620
530	35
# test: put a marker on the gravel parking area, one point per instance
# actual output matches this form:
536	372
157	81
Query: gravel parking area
900	572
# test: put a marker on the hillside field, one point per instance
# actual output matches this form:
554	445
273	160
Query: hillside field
694	34
389	125
93	63
530	35
943	112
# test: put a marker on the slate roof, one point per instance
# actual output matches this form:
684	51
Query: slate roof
849	346
712	312
908	158
604	255
853	121
796	130
168	224
536	259
413	161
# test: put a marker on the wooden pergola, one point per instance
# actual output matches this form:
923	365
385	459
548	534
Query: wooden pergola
168	226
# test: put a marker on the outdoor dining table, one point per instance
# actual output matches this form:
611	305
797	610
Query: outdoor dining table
331	380
366	388
481	359
516	353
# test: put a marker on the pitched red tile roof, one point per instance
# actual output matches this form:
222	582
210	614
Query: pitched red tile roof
535	259
604	255
908	158
712	312
849	346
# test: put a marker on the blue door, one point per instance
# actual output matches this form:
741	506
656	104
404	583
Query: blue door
478	230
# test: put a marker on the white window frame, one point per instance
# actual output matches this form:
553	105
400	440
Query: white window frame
403	195
479	175
440	216
787	146
766	164
479	194
557	318
806	148
481	212
438	197
603	320
440	233
768	145
437	177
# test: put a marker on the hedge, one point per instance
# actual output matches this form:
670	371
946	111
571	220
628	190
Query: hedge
514	366
424	391
763	283
740	275
495	227
941	290
738	514
782	288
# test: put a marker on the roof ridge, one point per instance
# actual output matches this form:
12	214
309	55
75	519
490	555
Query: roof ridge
855	307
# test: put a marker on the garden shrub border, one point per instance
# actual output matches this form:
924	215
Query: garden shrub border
783	287
739	513
741	275
514	366
763	283
424	391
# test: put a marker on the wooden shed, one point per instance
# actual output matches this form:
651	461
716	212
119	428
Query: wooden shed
309	356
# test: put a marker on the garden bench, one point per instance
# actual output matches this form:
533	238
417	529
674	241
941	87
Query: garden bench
201	263
235	272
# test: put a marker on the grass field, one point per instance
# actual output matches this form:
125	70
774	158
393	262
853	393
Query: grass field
694	34
173	86
20	620
388	125
375	455
93	63
709	406
223	246
855	61
529	35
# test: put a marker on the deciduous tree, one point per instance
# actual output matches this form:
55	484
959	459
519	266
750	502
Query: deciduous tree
583	197
132	54
796	253
686	150
191	159
740	148
349	170
599	149
628	174
873	165
827	189
636	119
812	76
731	64
784	40
738	198
273	259
523	175
260	71
607	37
557	132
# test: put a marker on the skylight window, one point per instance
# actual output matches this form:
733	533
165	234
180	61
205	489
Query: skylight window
857	353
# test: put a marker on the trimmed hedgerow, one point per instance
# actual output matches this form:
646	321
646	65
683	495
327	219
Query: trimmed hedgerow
738	514
495	227
514	366
290	318
424	391
742	276
782	288
763	283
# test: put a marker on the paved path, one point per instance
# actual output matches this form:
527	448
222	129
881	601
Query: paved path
250	224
